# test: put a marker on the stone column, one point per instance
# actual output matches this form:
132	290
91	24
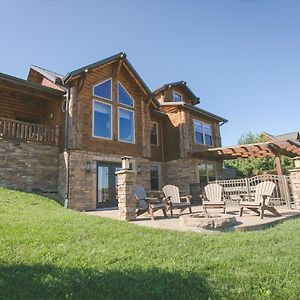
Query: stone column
126	200
295	181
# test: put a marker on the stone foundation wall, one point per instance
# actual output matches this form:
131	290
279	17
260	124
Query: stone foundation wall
295	182
28	166
83	184
182	172
62	176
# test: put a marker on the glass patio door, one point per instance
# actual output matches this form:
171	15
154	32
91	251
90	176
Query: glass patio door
106	185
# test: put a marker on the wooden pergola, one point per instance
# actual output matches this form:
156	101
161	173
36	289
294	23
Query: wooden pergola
275	149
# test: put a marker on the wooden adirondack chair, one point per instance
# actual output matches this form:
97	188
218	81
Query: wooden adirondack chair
263	192
147	204
213	197
174	200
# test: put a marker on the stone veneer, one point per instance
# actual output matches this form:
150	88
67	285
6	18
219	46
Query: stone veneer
182	172
295	182
83	184
28	166
125	193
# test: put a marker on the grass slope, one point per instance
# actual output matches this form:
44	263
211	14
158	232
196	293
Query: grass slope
48	252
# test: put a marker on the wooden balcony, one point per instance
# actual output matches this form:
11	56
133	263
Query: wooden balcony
28	132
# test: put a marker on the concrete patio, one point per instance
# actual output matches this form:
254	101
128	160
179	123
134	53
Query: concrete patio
249	221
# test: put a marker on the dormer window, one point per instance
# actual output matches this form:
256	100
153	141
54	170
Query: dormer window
177	97
123	96
103	89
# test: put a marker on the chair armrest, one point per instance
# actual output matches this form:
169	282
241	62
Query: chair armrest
244	197
151	200
187	198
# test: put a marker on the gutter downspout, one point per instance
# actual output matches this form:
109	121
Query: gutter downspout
67	150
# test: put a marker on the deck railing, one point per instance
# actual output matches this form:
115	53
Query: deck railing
29	132
234	188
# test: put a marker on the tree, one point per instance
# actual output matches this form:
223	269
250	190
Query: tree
251	167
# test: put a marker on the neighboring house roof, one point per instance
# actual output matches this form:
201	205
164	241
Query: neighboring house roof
29	84
99	63
182	83
196	109
54	77
291	136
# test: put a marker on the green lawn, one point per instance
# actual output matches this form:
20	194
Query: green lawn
48	252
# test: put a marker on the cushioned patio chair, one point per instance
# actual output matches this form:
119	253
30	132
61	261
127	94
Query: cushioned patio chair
147	204
213	197
175	201
263	193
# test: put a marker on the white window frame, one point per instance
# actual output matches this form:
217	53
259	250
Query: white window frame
111	121
203	134
126	105
101	83
181	97
131	110
157	134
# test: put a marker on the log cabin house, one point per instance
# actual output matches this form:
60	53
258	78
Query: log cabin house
67	134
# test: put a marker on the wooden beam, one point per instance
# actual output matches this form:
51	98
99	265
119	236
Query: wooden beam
135	79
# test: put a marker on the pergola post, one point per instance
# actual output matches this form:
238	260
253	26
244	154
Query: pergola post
278	165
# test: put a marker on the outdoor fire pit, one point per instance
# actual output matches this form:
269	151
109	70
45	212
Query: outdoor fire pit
207	221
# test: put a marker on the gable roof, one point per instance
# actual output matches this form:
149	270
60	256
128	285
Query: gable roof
196	109
31	84
182	83
52	76
69	76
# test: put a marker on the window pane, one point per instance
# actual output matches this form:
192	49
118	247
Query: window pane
124	97
154	178
198	131
211	172
154	133
102	120
177	97
207	134
202	174
103	89
126	125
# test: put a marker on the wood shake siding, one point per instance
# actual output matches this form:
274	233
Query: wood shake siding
84	112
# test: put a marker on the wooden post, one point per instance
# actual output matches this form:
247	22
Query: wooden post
278	165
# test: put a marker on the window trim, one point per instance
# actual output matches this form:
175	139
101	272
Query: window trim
131	110
111	86
159	175
203	134
181	96
206	164
118	99
111	121
157	134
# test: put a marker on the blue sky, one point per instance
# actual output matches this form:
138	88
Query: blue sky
241	57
